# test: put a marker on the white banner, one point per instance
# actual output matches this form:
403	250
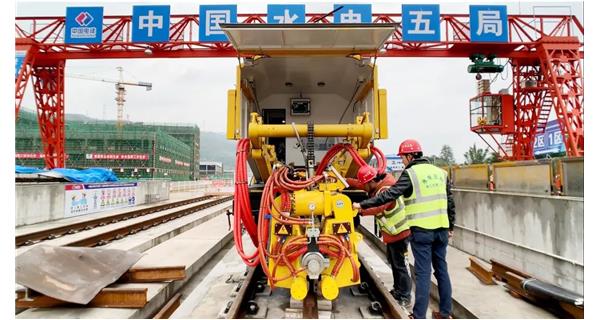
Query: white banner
84	198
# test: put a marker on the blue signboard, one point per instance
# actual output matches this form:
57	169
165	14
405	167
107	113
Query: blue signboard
83	25
352	13
210	18
19	57
488	23
549	142
420	22
286	13
393	163
150	23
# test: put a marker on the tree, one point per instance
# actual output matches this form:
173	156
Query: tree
494	157
435	160
446	155
475	155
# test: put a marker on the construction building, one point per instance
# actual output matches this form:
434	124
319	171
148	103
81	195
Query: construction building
211	168
137	151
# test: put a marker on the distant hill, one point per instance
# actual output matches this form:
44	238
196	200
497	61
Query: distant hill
78	117
215	147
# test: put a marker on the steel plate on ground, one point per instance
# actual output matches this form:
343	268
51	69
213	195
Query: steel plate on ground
70	273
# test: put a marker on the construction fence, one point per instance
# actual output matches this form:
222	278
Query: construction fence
557	176
224	185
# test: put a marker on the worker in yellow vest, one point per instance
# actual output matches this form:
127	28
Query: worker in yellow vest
393	223
425	189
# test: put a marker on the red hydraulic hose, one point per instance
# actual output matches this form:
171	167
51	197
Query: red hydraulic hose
287	253
242	209
328	156
381	161
242	193
334	151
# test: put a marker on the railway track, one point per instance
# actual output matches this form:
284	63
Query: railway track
232	291
118	233
130	229
368	300
162	254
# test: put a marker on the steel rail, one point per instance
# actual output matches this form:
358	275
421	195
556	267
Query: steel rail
390	308
480	271
119	233
106	298
168	308
234	310
310	309
55	232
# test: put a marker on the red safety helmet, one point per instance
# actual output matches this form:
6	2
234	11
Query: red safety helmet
366	173
409	146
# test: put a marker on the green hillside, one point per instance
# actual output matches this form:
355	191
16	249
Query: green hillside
215	147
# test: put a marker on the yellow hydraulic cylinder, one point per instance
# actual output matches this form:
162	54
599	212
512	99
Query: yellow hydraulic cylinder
306	203
299	288
364	130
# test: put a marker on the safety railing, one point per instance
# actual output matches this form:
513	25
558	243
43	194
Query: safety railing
202	186
471	176
570	171
531	177
557	176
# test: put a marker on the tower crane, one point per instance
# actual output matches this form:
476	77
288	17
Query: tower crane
120	90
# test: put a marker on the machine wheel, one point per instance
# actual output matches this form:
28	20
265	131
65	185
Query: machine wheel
252	307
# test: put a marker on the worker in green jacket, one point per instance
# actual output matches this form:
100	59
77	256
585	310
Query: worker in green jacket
425	189
393	223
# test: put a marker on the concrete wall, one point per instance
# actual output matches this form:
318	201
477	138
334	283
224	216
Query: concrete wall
541	235
38	202
41	202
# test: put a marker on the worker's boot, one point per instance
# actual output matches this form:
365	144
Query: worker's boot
437	315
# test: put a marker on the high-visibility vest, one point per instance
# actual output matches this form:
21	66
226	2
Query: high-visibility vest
427	206
393	221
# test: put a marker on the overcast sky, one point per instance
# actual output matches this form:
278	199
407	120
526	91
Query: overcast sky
427	97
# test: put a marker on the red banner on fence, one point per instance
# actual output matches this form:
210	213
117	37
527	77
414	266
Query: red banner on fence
115	156
29	155
164	159
32	155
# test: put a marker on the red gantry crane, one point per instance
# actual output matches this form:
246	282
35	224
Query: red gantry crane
545	53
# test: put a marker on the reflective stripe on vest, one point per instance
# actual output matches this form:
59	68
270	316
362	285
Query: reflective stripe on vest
393	221
427	205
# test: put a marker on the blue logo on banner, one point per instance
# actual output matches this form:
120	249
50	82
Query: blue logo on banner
420	22
488	23
549	142
211	16
19	57
150	23
352	13
83	25
286	13
394	163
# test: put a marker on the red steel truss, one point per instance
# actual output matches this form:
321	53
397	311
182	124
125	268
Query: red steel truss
563	77
531	108
49	88
545	48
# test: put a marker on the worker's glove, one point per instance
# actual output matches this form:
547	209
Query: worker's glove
356	206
